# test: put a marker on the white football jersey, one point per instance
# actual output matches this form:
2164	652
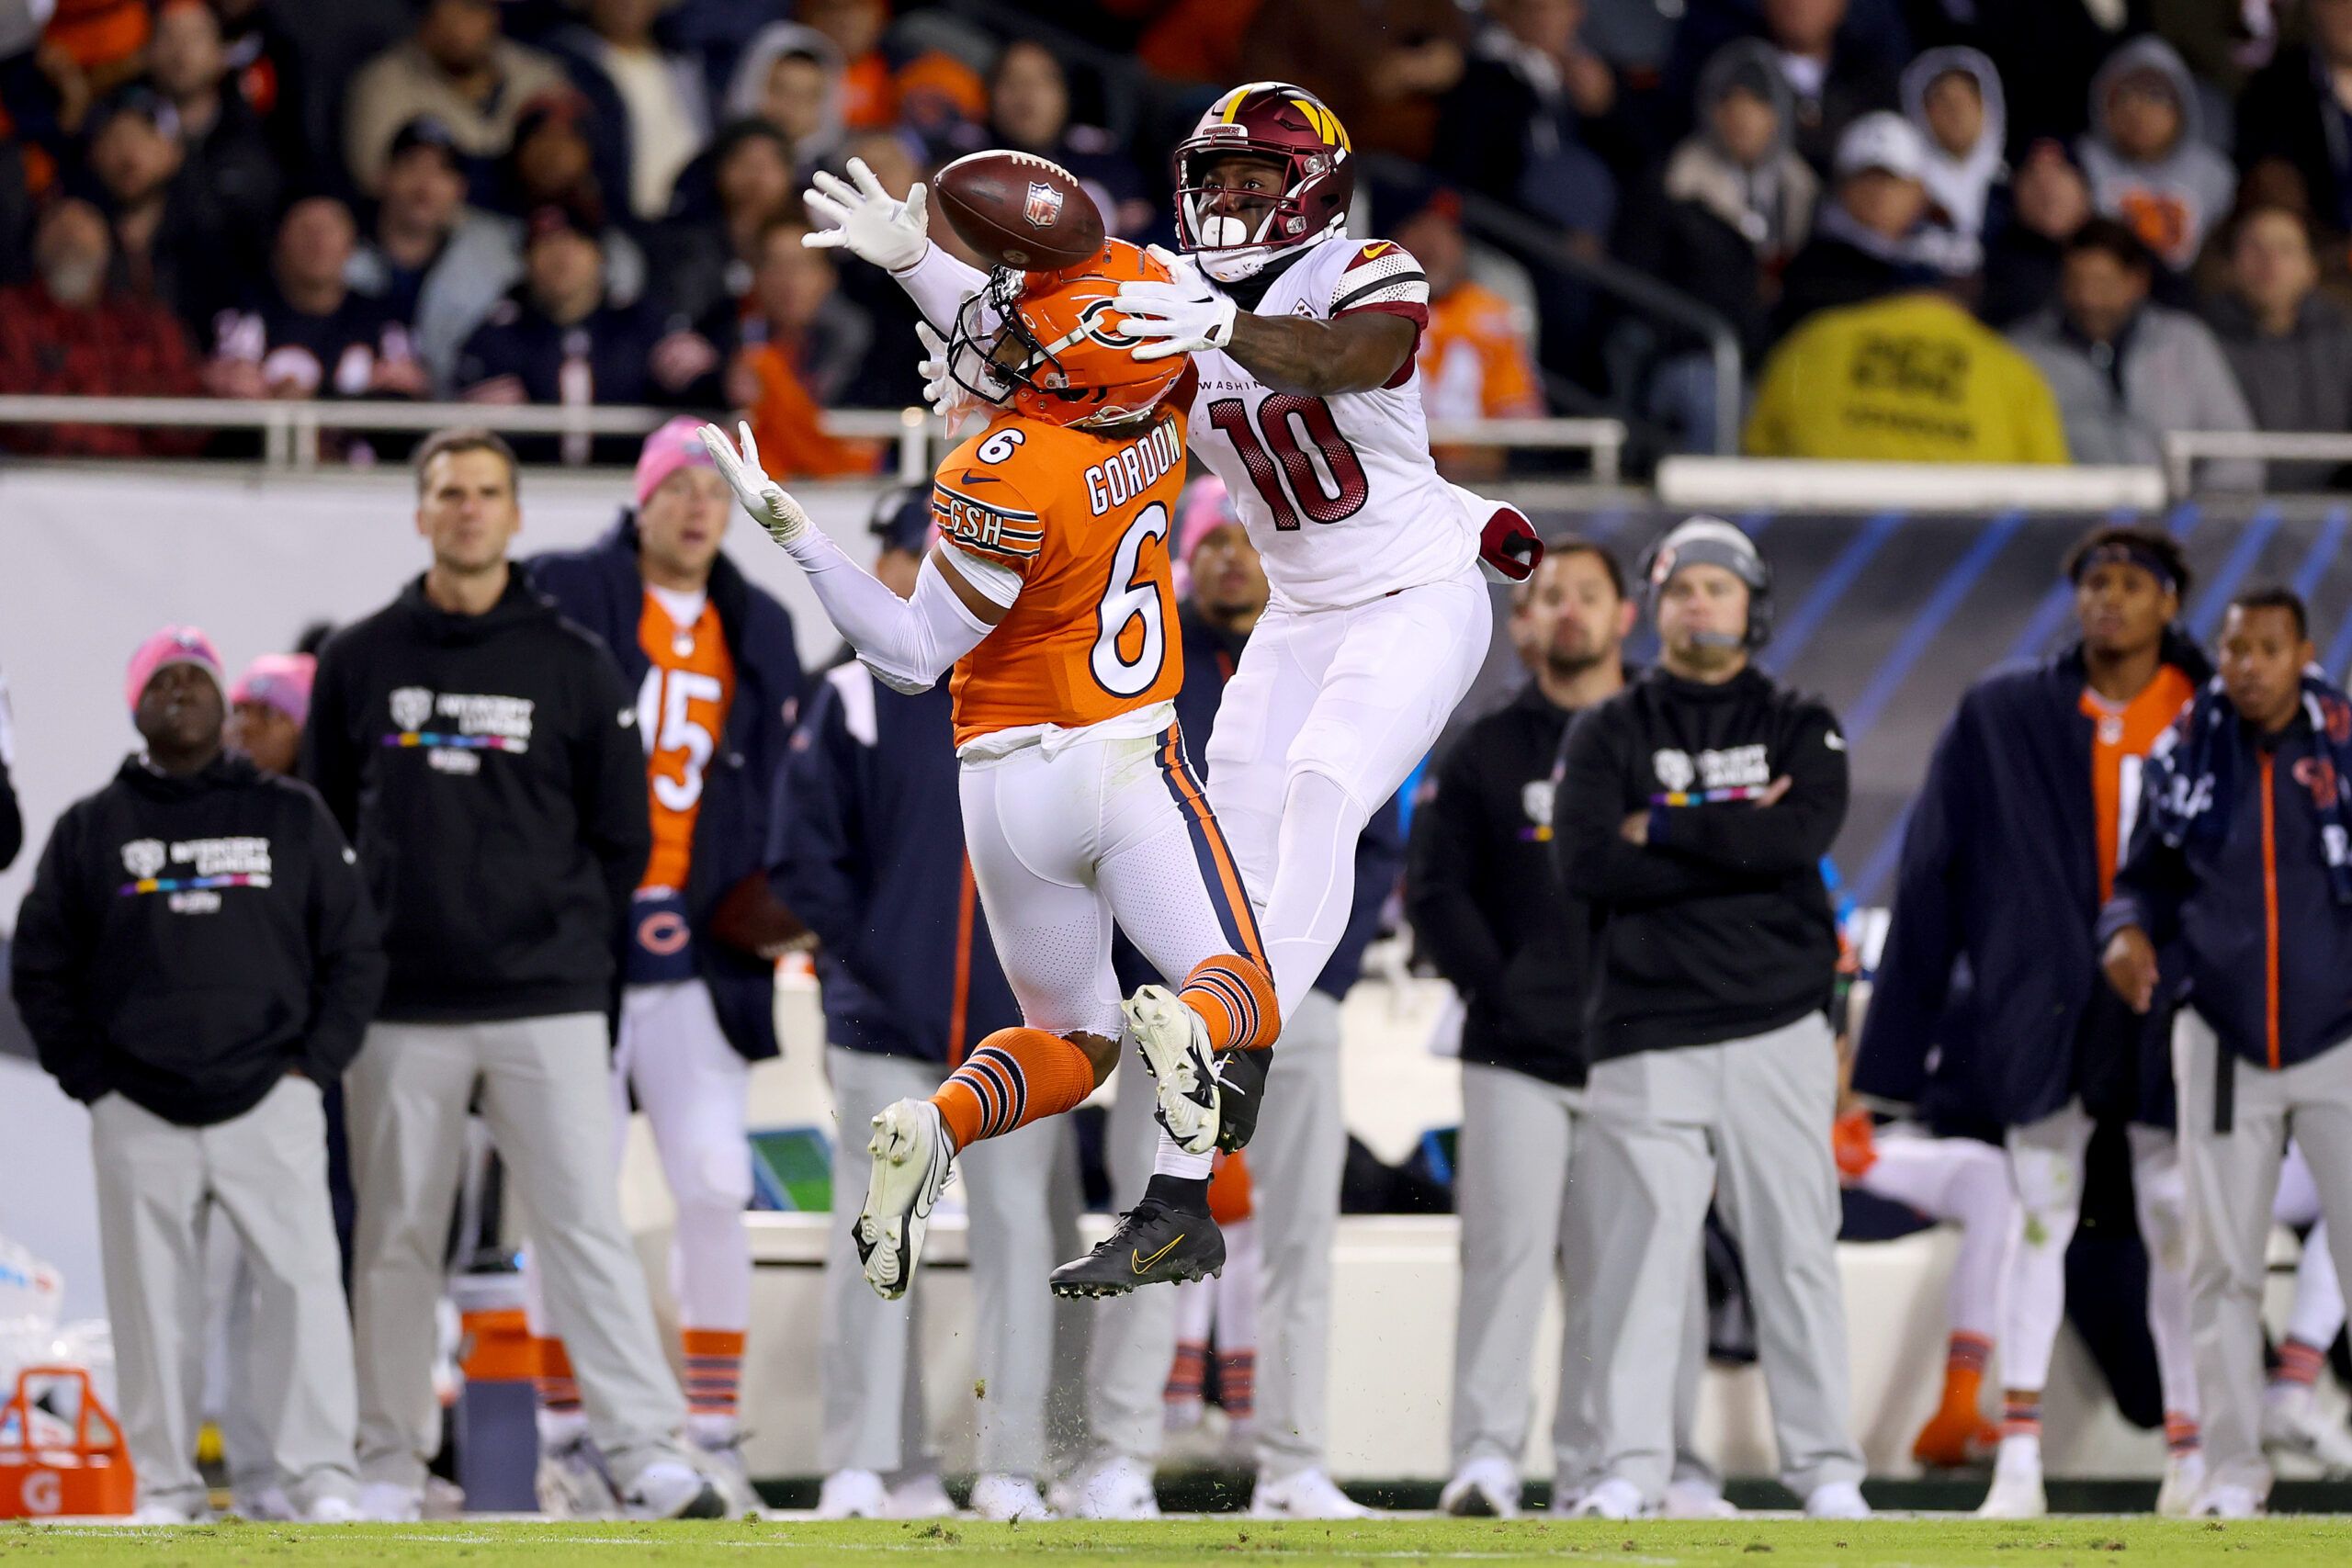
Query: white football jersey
1339	493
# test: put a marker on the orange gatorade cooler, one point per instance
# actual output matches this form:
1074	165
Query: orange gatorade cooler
54	1464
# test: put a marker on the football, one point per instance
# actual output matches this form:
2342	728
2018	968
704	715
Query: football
1019	210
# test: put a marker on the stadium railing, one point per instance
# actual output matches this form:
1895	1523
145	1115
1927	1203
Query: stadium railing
290	429
2185	448
1787	484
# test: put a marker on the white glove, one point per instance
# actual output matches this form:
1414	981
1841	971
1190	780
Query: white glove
863	216
1181	317
948	398
770	506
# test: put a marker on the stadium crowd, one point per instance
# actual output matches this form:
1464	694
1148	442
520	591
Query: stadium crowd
1939	232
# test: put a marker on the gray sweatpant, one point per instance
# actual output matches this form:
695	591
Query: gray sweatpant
1526	1218
159	1184
545	1091
1134	1338
2233	1179
871	1364
1745	1121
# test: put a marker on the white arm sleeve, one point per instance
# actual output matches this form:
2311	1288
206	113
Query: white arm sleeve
939	285
908	643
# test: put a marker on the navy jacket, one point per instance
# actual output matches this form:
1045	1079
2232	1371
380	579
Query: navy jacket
1999	887
600	588
1210	656
2220	898
867	848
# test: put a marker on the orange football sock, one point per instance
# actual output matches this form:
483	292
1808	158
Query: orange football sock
713	1369
1012	1078
1236	998
558	1390
1964	1371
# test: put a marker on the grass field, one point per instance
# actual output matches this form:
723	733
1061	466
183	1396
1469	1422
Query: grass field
2291	1542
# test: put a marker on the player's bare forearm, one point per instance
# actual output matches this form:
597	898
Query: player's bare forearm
1350	354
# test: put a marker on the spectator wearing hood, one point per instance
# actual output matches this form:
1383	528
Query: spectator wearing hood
2048	200
2289	345
2297	110
1735	203
429	259
790	76
560	337
1953	98
2126	370
1841	60
664	118
458	68
2143	157
1028	110
1878	234
1532	122
69	333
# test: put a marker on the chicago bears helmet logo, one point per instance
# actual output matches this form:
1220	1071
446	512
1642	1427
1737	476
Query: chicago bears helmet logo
1095	322
143	858
412	706
1043	208
1674	769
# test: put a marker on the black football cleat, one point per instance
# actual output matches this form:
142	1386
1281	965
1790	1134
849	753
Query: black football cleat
1151	1245
1242	1094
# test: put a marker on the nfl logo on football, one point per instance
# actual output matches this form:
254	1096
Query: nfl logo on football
1043	208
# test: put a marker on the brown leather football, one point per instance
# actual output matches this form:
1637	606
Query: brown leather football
1019	210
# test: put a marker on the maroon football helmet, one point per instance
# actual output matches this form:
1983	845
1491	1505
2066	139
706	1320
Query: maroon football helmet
1290	128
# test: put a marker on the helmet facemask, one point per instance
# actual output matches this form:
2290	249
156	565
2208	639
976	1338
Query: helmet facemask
1230	247
997	354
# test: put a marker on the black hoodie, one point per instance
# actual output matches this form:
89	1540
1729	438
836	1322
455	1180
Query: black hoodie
1719	927
188	939
487	768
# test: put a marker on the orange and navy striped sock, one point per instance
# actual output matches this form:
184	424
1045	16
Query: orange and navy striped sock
1237	1382
1012	1078
1236	1000
714	1371
2021	1413
1964	1362
558	1391
2182	1434
1186	1373
2298	1364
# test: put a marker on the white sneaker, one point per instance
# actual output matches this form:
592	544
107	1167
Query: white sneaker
1836	1500
851	1494
390	1503
2184	1479
1309	1494
719	1451
912	1160
1690	1499
2016	1491
572	1484
444	1499
1175	1046
2226	1500
171	1514
1485	1488
1613	1497
919	1496
1116	1486
1009	1499
671	1489
331	1510
2294	1423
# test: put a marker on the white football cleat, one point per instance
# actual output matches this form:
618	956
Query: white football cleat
917	1496
2184	1479
390	1503
331	1510
2017	1492
1836	1500
2294	1423
1113	1486
1175	1046
1694	1499
1485	1488
912	1160
1309	1494
1009	1499
164	1513
851	1494
1613	1497
2225	1500
572	1484
671	1489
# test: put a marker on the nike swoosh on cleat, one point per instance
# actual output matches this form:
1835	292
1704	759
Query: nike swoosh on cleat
1142	1263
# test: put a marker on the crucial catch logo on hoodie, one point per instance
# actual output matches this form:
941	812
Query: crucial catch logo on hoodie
213	864
454	728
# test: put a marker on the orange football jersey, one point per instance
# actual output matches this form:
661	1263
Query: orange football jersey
2121	738
1087	521
682	712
